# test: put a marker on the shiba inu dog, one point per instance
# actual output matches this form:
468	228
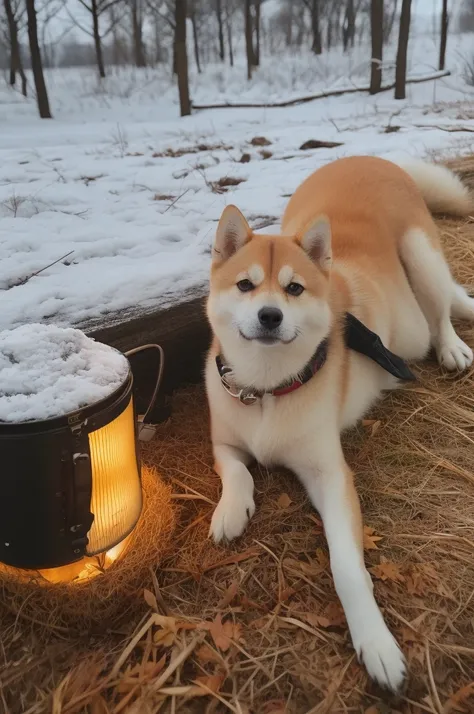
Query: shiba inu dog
357	243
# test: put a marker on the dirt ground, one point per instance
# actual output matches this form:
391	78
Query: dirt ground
181	625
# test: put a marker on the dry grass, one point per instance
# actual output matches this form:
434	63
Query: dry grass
256	627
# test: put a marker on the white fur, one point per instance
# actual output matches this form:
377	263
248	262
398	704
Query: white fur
301	431
442	190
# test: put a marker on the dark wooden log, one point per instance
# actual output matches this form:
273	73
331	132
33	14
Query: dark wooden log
182	331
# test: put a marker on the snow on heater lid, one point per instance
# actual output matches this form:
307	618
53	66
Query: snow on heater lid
48	371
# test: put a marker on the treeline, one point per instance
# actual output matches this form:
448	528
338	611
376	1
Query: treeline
147	32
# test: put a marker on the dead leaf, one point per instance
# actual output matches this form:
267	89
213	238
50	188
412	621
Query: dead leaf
223	632
244	159
260	141
212	682
457	702
323	558
318	144
275	706
229	595
284	501
387	570
206	655
370	539
317	620
335	614
150	600
373	424
286	593
236	558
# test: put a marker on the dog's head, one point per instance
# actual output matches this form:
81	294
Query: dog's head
268	303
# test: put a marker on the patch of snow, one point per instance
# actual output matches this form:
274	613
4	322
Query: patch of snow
99	219
48	371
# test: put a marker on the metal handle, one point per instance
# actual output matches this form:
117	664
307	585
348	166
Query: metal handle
146	431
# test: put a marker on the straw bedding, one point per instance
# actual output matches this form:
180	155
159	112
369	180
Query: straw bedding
255	627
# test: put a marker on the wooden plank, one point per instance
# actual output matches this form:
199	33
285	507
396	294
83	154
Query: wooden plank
182	331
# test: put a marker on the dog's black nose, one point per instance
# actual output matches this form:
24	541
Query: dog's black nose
270	317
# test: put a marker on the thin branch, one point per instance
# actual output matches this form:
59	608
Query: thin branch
320	95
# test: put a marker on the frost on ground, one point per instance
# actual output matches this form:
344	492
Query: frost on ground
111	208
48	371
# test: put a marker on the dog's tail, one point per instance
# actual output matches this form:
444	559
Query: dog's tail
443	191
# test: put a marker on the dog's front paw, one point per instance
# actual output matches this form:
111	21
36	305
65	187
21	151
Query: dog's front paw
231	516
383	659
455	355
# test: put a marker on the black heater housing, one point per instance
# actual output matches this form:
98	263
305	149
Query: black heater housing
46	484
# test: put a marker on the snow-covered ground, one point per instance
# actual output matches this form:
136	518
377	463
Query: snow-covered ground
100	189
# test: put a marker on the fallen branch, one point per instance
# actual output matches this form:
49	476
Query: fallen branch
445	128
320	95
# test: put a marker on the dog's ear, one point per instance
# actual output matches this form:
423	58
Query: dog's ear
232	233
316	241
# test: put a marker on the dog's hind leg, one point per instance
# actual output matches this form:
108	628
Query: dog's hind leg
438	296
462	305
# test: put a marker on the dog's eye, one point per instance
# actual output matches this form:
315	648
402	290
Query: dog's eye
294	289
245	286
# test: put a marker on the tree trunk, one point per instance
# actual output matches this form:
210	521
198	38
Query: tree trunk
316	46
376	28
229	40
349	26
257	33
248	38
329	31
389	21
220	25
182	57
97	40
137	29
195	38
13	37
444	34
403	34
36	64
289	26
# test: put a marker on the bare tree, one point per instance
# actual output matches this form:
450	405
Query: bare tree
376	29
13	14
228	22
137	16
220	26
314	10
348	30
257	13
192	15
403	35
444	35
98	9
248	38
36	63
389	16
182	57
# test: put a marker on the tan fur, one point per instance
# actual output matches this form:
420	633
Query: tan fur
358	236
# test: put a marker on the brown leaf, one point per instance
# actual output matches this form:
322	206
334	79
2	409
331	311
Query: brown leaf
318	144
235	558
206	655
260	141
317	620
370	539
212	682
387	570
286	593
335	614
457	702
224	632
150	600
284	501
229	595
275	706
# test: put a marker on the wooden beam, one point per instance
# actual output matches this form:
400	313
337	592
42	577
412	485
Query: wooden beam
182	331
